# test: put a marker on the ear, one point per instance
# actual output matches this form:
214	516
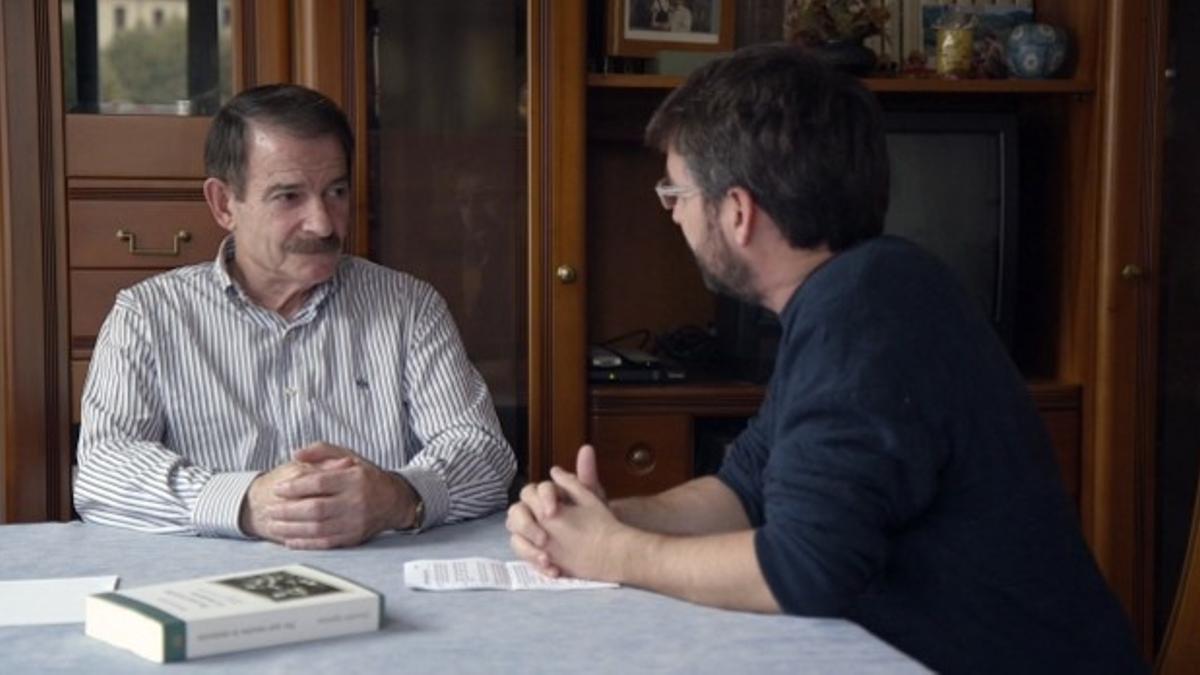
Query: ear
219	197
743	213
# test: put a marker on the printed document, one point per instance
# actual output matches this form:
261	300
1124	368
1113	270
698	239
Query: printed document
465	574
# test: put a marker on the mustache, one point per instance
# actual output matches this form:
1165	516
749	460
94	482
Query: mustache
310	245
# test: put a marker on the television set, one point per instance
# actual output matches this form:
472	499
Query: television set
953	192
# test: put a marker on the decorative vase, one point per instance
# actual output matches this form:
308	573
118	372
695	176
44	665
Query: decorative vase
850	56
955	51
1036	50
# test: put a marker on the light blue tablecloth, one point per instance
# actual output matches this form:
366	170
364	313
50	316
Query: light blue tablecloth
607	631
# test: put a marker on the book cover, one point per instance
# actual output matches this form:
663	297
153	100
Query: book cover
192	618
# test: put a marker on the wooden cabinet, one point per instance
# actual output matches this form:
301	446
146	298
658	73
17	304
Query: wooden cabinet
119	233
134	200
648	438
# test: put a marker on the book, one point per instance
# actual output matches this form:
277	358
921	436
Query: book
191	618
466	574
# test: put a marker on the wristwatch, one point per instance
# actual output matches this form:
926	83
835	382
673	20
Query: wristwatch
419	512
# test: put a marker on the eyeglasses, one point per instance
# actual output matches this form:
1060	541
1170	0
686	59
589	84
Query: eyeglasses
669	194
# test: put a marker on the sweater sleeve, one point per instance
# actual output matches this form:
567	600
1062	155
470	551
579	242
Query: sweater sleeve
847	469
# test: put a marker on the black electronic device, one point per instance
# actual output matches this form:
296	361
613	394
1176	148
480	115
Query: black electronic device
624	364
953	192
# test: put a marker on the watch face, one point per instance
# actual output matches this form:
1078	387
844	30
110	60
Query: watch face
419	516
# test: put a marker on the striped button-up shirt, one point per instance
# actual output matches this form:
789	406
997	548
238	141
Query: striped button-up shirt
194	390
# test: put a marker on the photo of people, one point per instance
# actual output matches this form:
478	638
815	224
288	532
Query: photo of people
678	17
669	15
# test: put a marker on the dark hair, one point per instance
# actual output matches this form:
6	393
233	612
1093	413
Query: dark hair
804	139
291	108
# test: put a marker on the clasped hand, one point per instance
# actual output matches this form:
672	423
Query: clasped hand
564	525
326	497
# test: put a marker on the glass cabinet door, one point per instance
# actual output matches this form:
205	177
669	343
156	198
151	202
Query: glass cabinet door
448	157
147	57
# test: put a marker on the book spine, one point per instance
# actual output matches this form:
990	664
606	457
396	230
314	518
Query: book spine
281	626
172	631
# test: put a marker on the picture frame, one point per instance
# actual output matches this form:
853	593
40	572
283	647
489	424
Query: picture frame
646	27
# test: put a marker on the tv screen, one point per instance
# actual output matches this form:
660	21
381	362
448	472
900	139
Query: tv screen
953	192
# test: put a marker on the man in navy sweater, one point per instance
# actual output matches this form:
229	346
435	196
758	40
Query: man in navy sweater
897	474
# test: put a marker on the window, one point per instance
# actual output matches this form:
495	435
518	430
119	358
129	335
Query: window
158	18
119	18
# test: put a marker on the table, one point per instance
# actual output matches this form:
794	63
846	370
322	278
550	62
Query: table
606	631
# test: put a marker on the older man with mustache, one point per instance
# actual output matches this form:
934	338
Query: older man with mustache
285	391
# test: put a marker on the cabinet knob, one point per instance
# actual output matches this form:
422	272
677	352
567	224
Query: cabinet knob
1132	272
566	274
640	459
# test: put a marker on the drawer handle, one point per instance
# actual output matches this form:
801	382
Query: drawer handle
180	236
640	459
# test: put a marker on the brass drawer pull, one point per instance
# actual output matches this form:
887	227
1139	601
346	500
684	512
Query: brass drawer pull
640	459
180	236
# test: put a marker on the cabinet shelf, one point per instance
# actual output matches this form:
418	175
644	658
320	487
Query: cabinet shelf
900	85
736	398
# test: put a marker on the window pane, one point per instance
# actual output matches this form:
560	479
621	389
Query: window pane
147	56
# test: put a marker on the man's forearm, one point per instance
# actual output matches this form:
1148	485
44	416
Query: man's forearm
698	507
141	485
718	570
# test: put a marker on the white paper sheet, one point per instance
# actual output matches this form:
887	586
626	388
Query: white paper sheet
33	602
462	574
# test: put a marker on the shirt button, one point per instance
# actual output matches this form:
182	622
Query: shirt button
290	391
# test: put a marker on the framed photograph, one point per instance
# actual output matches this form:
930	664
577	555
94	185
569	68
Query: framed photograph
646	27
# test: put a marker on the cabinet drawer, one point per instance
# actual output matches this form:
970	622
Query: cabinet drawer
92	296
642	454
155	233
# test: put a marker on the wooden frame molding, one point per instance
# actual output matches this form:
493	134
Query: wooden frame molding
263	51
557	174
1122	471
36	450
329	53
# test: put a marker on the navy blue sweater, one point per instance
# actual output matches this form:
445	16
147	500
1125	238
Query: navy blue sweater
898	475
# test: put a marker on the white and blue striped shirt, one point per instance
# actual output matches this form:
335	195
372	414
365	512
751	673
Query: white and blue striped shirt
194	390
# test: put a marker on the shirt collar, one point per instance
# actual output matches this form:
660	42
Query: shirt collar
221	272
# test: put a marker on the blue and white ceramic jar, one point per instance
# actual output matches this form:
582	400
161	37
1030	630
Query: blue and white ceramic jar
1036	50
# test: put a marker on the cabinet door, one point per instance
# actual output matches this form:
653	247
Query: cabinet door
466	191
140	82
